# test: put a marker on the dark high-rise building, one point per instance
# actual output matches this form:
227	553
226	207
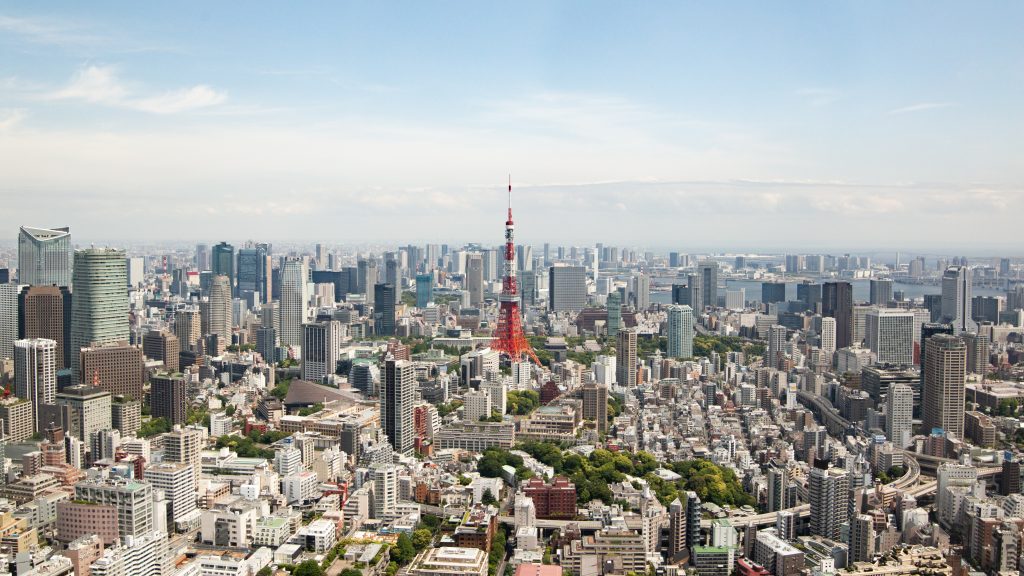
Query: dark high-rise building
169	396
933	303
254	272
567	288
223	261
810	294
772	292
956	298
708	286
266	343
337	277
45	312
881	292
384	309
986	309
837	302
5	275
202	259
398	393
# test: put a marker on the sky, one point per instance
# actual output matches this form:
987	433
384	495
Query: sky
711	125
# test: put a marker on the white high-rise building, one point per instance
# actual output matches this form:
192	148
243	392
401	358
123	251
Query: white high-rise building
44	256
828	335
776	344
175	479
136	271
956	299
680	331
288	461
294	300
890	335
145	554
899	413
8	318
35	374
321	349
385	489
220	321
498	393
476	405
642	291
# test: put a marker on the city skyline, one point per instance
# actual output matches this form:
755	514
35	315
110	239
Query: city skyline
825	121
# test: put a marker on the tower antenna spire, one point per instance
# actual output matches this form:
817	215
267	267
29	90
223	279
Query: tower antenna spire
510	196
509	339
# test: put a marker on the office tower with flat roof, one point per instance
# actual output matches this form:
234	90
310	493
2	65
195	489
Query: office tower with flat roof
254	272
890	335
398	392
708	285
625	358
384	309
132	499
810	294
776	345
642	291
475	279
44	256
614	322
99	305
945	375
321	349
862	538
45	312
126	415
222	262
956	299
567	288
977	352
772	292
188	327
18	419
424	290
828	490
118	368
880	292
9	295
35	375
164	346
680	331
184	444
828	335
169	396
899	414
367	277
266	344
837	302
86	409
202	257
595	405
294	300
219	310
393	274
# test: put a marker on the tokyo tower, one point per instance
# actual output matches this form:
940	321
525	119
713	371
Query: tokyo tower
509	339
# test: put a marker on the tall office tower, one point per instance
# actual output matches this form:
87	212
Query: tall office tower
202	257
475	279
595	405
396	404
45	312
862	538
772	292
527	284
828	490
794	263
810	294
366	270
384	309
118	368
254	272
614	322
294	300
899	414
321	349
776	344
136	271
828	335
164	346
393	273
977	352
881	292
35	375
524	256
44	256
676	531
9	296
680	331
986	309
567	288
169	396
708	285
642	291
890	335
187	327
99	306
945	374
87	411
266	344
837	302
220	320
778	484
223	262
956	299
184	445
625	358
424	290
320	256
509	339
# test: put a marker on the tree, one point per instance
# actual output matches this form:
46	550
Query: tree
266	571
308	568
421	539
404	551
488	497
230	410
350	572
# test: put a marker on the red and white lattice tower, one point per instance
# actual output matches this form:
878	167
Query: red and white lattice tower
509	339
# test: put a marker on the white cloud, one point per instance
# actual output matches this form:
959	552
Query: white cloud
102	85
920	107
47	31
11	118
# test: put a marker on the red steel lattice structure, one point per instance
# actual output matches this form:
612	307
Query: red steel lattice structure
509	339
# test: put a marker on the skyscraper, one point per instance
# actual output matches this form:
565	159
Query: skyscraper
899	411
118	368
625	358
9	295
680	331
424	290
945	375
595	405
837	302
881	292
396	404
254	272
708	285
384	309
294	300
862	538
44	256
828	490
35	375
614	322
890	335
956	299
567	288
321	349
220	320
164	346
776	344
99	306
828	335
45	312
188	327
475	279
202	258
89	410
772	292
393	274
223	262
642	291
169	397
